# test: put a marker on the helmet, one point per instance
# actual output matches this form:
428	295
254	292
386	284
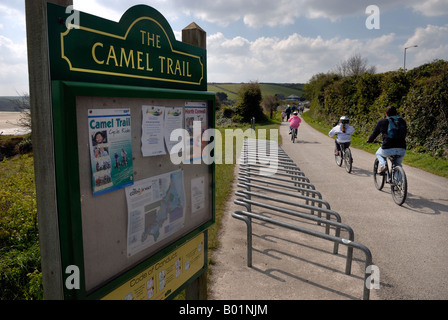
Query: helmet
344	119
296	113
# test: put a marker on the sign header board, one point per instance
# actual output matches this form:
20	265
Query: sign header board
138	50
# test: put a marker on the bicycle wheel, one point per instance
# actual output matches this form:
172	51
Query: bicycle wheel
293	135
378	179
348	160
338	158
399	186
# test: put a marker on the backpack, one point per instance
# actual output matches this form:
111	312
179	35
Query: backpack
396	128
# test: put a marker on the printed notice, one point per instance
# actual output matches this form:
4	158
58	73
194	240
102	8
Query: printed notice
152	131
173	120
195	125
110	144
156	210
197	194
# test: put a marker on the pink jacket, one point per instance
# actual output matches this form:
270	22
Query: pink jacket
294	122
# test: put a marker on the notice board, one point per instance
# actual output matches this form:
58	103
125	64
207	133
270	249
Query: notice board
132	185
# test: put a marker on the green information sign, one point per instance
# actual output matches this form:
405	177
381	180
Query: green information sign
125	210
138	50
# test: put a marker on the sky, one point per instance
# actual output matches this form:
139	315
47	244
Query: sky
283	41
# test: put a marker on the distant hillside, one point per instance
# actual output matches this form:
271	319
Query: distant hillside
267	89
7	104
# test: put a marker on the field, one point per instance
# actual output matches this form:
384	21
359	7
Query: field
267	89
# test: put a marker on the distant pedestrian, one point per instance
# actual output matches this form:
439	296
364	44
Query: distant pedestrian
288	112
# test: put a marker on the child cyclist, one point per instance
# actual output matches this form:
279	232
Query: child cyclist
294	122
343	131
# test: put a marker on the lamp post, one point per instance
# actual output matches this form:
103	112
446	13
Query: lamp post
404	64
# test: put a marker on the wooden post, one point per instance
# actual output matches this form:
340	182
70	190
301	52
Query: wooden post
194	35
43	144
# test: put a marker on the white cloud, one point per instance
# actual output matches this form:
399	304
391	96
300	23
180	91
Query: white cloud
432	44
13	66
431	8
293	59
257	13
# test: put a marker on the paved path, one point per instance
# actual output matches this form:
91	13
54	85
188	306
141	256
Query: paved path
409	243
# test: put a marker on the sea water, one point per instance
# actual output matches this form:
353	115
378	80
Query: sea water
9	124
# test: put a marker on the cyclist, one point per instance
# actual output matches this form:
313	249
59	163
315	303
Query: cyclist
294	122
390	146
343	131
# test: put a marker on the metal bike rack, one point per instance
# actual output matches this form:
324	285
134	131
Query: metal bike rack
300	194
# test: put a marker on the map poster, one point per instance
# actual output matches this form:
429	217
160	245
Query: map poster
110	143
156	210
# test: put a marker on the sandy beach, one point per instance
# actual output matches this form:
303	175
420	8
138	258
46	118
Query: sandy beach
8	123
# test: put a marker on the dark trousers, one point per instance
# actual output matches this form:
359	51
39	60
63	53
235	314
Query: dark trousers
338	145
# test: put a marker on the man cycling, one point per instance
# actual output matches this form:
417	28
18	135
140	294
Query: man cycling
390	146
294	122
343	131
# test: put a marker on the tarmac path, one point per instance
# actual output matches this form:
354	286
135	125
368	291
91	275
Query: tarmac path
408	243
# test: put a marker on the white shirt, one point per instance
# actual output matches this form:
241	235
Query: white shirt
342	136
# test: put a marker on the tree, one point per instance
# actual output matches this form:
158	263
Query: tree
354	66
221	96
270	104
248	106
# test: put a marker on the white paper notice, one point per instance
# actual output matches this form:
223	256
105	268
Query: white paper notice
195	125
197	194
152	131
173	120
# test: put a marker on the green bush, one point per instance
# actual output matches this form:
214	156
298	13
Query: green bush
421	96
20	275
25	146
249	104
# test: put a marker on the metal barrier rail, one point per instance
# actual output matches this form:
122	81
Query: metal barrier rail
247	204
253	155
246	217
308	200
328	212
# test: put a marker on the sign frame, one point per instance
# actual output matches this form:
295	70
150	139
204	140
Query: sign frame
64	95
69	82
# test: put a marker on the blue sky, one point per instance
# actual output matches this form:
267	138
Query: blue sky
265	40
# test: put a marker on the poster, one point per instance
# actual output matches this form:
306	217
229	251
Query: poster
195	125
110	143
153	131
197	194
156	210
173	120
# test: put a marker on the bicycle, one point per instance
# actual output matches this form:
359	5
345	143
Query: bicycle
396	177
344	155
294	135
